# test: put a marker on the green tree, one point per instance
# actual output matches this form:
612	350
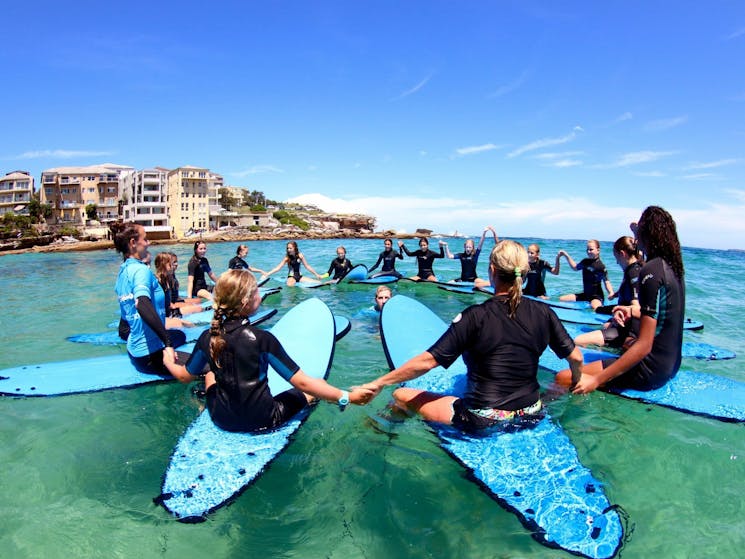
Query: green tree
91	211
227	200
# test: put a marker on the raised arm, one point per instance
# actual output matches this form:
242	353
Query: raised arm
571	262
441	254
448	254
402	247
557	265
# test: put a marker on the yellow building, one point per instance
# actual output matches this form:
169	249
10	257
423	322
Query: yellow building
68	190
188	199
16	189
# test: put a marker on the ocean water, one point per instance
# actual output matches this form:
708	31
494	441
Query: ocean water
79	472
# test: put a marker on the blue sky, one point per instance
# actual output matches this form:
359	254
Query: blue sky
543	119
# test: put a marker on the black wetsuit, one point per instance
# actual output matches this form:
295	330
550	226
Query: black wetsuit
468	263
339	267
293	267
388	258
241	400
237	263
662	297
536	277
502	353
424	260
594	274
199	268
615	335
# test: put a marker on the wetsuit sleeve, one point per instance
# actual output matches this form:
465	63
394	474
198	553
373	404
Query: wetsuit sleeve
560	341
206	266
649	288
441	254
279	360
150	317
331	267
123	329
406	250
192	266
454	341
196	365
377	262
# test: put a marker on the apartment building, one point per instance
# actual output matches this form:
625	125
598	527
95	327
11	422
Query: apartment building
188	199
68	190
16	189
145	200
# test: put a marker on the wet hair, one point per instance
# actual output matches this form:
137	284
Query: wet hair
510	262
196	245
294	245
123	233
342	247
162	260
232	290
536	248
659	236
425	239
240	248
595	242
382	288
628	246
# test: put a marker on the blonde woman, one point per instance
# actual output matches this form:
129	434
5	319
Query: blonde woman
503	337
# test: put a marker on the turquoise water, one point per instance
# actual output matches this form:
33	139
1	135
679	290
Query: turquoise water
80	472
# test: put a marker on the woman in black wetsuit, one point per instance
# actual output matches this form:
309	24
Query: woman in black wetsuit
655	356
238	355
424	259
293	258
612	333
199	267
340	265
501	341
594	276
238	262
388	258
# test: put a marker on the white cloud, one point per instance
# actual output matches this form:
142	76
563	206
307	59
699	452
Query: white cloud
257	170
701	177
624	117
711	164
59	154
545	142
414	89
735	34
665	123
650	174
470	150
564	163
557	155
708	225
511	86
636	158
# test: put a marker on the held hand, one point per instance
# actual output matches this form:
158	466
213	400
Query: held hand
621	314
586	384
169	356
443	244
400	244
360	396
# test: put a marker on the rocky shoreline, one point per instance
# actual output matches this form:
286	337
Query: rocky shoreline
215	237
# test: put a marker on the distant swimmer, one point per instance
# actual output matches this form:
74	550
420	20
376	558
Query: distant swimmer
382	296
535	282
469	258
237	356
594	276
293	259
424	259
388	258
656	355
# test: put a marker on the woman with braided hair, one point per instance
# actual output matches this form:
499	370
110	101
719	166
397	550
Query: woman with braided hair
238	356
501	341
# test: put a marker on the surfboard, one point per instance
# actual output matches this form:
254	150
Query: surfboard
357	273
455	288
594	319
690	350
532	472
209	467
343	326
572	305
688	391
376	280
112	336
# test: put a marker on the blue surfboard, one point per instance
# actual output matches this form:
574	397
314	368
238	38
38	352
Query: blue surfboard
533	472
343	326
209	467
571	305
192	333
357	273
688	391
593	319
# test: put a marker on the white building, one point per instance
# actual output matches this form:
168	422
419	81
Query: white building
16	189
145	200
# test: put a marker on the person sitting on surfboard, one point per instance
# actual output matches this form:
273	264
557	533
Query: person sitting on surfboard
655	356
199	267
534	281
238	356
339	265
293	258
594	275
501	341
142	304
238	262
174	313
388	258
612	333
469	258
424	259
